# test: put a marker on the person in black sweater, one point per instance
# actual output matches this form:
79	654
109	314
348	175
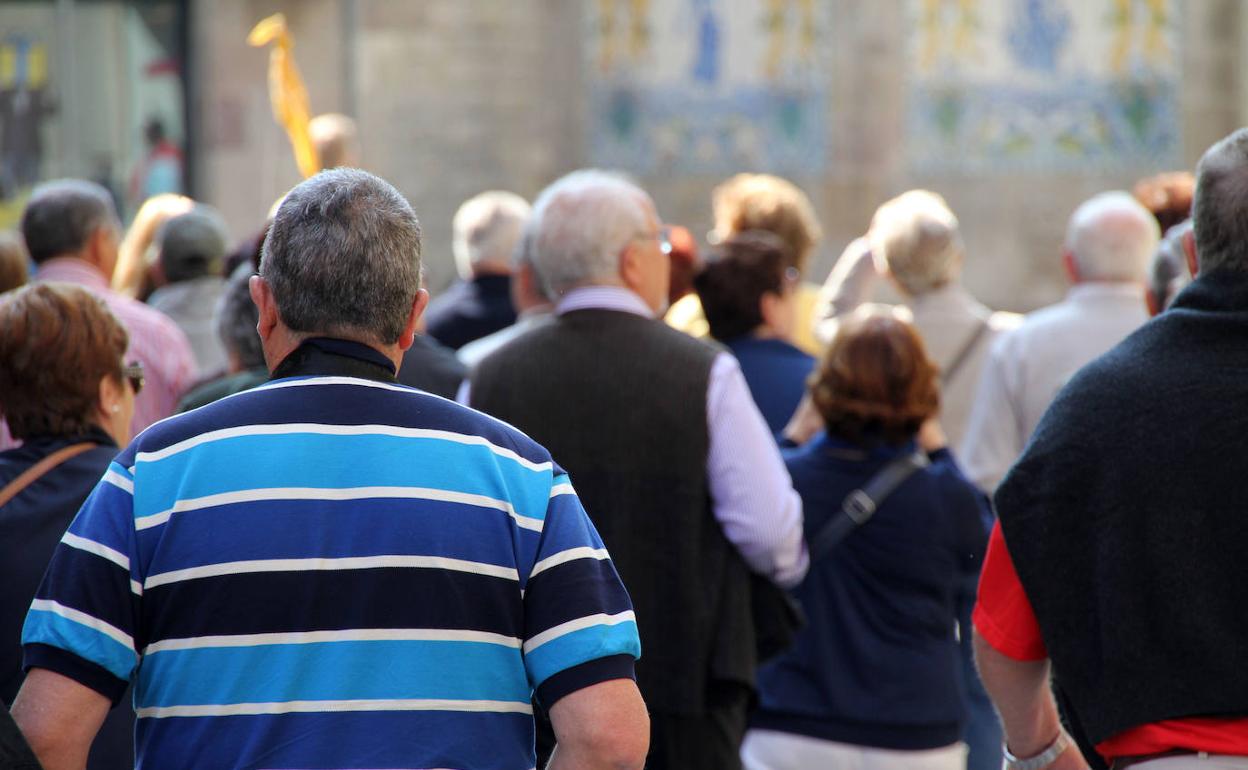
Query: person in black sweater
874	680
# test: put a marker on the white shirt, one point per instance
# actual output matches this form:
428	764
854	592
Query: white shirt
752	496
1028	366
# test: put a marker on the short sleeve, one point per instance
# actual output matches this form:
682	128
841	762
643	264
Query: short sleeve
82	621
1003	614
579	623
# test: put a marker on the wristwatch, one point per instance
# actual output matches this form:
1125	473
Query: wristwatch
1041	760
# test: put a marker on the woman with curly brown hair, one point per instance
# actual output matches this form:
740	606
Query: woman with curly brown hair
874	680
67	393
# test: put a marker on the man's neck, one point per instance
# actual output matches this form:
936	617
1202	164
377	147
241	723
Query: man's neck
282	342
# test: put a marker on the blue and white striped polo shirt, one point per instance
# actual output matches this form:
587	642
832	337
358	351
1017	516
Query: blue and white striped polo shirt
333	572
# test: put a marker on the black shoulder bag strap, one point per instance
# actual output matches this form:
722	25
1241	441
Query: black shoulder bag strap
861	504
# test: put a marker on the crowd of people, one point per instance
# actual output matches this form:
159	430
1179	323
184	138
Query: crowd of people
612	500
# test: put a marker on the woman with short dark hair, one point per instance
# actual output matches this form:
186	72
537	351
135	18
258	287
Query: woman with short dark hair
747	293
67	393
874	680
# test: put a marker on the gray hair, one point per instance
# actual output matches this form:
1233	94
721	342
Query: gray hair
1220	209
1169	273
585	220
522	256
62	215
235	318
917	236
1112	238
486	228
191	245
343	257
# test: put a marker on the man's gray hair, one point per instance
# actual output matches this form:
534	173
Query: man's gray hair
917	235
1220	209
523	255
192	245
343	257
235	318
486	228
584	222
1112	238
61	215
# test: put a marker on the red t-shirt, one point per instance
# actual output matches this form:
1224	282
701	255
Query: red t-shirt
1004	617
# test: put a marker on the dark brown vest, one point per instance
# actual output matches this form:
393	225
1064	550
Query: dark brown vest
620	403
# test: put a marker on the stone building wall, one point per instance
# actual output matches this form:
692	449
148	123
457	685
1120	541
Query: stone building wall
457	96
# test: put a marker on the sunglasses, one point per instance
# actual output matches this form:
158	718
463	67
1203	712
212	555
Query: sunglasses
133	372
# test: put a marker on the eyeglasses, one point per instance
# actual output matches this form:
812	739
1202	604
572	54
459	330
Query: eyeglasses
664	238
133	372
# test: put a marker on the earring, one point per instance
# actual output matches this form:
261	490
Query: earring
116	408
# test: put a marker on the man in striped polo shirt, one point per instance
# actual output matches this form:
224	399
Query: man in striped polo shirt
333	570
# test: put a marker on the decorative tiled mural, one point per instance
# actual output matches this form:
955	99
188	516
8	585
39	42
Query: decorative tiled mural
1044	85
708	86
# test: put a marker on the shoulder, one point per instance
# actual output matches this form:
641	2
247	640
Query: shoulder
336	405
1000	321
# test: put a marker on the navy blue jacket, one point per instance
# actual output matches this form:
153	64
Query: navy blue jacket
469	310
879	664
776	373
31	525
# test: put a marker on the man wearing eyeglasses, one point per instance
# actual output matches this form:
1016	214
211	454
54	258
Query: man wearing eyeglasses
675	464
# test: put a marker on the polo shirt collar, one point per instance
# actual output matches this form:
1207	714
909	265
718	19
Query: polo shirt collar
327	356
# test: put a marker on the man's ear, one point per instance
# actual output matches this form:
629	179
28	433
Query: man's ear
262	295
1189	252
413	319
631	271
1070	266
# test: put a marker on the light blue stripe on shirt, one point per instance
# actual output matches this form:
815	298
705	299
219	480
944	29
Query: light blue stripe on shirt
306	460
343	670
572	649
91	644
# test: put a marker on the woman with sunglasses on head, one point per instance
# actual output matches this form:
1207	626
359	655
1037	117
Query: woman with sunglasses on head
748	293
68	395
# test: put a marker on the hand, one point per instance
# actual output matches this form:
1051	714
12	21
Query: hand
931	435
804	423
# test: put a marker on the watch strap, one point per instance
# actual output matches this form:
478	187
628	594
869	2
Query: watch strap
1041	760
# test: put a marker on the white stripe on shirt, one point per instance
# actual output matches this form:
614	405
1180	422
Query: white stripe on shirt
349	493
315	706
83	619
563	629
572	554
284	429
99	549
346	635
342	563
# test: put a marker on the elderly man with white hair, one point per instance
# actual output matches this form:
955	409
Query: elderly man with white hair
1109	243
673	460
915	242
484	233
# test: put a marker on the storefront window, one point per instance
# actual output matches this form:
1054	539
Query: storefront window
93	89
